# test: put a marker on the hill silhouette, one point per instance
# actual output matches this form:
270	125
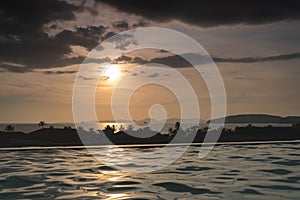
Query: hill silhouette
258	118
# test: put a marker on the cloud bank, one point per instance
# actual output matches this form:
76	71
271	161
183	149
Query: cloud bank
177	61
211	13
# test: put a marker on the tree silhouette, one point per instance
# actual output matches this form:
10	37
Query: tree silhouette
108	129
114	128
296	124
129	128
121	128
170	130
41	124
177	126
9	128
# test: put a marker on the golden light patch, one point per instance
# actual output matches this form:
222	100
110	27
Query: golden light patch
112	72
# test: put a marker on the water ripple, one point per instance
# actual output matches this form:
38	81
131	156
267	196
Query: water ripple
229	172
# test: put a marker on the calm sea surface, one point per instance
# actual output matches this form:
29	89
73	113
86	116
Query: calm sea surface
269	171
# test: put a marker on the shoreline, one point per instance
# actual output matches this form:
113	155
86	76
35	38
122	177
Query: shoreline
27	148
68	137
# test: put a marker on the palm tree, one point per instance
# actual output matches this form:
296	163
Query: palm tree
9	128
121	128
129	128
177	126
170	130
41	124
296	124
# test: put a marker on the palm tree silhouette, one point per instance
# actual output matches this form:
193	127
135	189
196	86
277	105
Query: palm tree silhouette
9	128
170	130
41	124
177	126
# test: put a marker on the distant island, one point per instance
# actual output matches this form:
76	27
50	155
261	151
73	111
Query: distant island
258	118
68	136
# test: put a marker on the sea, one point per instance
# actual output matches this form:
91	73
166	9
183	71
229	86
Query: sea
257	171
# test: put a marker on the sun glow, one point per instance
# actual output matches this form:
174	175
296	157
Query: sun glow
112	72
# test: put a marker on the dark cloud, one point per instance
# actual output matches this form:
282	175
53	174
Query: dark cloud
86	78
124	59
213	12
162	51
175	61
14	68
97	60
121	25
258	59
141	23
28	17
59	72
178	61
123	41
108	35
23	39
57	63
87	37
42	51
154	75
247	78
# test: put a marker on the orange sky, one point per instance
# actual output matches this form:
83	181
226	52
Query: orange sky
259	62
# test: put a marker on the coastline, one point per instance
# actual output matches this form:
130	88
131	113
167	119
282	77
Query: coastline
28	148
68	137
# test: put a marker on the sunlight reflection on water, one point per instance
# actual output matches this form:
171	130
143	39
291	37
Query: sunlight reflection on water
229	172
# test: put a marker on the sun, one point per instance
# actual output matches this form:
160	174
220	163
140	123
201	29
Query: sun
112	72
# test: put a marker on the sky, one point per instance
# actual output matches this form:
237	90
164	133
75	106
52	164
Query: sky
255	45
